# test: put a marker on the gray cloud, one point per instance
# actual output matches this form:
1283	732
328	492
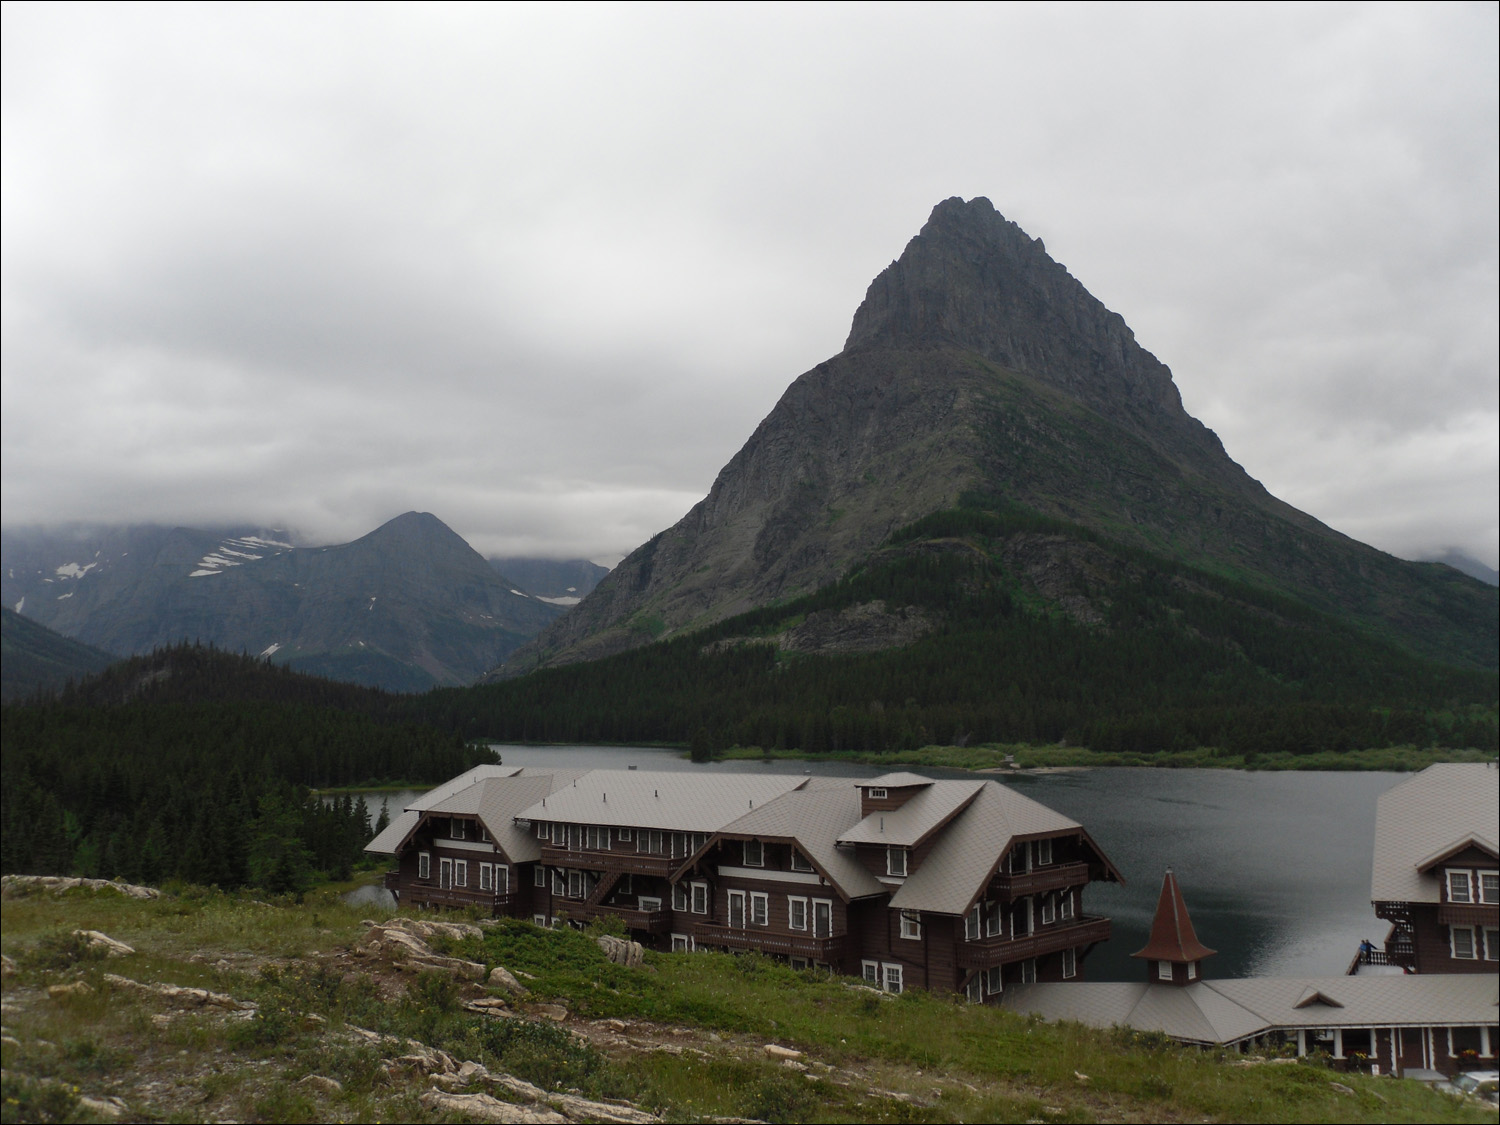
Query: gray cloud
541	271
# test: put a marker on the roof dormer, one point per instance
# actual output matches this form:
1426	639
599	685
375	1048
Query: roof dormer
889	792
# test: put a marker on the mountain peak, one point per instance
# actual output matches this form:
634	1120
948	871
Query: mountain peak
974	280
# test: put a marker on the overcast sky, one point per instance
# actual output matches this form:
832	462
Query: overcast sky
541	271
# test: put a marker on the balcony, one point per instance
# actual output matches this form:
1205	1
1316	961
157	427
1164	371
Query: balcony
430	894
983	953
629	863
656	922
829	950
1044	879
1468	914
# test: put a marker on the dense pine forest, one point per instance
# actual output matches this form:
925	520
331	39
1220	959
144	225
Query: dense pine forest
197	765
1141	654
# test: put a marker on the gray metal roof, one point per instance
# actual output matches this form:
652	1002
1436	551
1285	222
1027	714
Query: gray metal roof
1226	1011
914	821
1426	815
462	782
679	802
492	793
901	780
387	841
814	818
966	854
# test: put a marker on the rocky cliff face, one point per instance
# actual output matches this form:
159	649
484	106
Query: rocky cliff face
977	362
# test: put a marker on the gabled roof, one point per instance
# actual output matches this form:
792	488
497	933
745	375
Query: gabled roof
914	821
389	841
677	802
1172	935
493	794
903	780
1472	840
1427	818
960	864
813	818
1228	1011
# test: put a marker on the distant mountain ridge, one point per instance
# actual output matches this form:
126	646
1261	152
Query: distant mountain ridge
406	607
35	658
977	364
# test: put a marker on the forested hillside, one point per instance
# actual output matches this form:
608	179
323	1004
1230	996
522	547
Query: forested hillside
1016	627
196	765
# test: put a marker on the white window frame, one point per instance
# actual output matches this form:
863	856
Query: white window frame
445	864
1489	887
455	828
424	865
800	862
559	834
576	887
994	919
1028	971
818	905
1467	878
1164	970
559	882
1065	906
596	838
1043	852
1491	943
461	873
1069	963
680	897
1453	932
754	853
974	923
1192	970
487	877
896	861
879	795
539	920
760	909
911	925
1019	861
649	904
1049	910
624	835
650	841
994	980
502	878
682	943
870	972
539	876
796	913
543	832
974	989
699	897
892	977
484	833
744	912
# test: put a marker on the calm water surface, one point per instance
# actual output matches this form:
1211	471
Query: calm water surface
1275	866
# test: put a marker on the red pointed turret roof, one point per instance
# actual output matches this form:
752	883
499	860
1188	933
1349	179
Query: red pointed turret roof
1172	937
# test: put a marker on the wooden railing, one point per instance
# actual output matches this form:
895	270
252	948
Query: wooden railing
825	949
1043	879
1468	914
629	863
651	921
430	894
982	953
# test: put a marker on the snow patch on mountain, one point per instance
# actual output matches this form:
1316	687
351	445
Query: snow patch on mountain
236	551
73	570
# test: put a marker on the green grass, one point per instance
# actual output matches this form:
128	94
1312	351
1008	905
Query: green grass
869	1057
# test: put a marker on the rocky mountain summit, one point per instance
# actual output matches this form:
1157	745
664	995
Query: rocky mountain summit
977	364
405	607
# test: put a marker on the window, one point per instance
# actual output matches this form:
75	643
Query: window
1463	942
1491	944
992	980
877	794
484	833
1043	852
460	873
623	835
596	838
1019	857
796	913
822	909
538	876
895	861
893	976
870	970
972	922
559	835
1028	971
539	920
1049	910
502	879
650	842
1489	887
911	924
456	829
755	854
737	910
445	872
1192	970
424	865
700	898
623	887
681	943
800	862
649	905
575	837
1164	970
974	989
1458	887
1065	906
486	876
992	924
559	882
1070	963
680	897
760	908
542	831
575	884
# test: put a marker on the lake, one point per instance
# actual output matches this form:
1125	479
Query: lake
1275	867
